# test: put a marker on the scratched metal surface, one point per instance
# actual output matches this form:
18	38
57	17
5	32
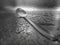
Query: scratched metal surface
45	20
17	31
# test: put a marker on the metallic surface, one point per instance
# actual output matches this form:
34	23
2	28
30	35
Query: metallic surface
39	26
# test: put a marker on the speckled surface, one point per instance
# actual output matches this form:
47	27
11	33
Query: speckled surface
17	31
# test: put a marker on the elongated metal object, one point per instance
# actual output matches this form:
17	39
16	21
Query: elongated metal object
37	29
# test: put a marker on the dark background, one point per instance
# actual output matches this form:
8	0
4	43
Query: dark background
36	3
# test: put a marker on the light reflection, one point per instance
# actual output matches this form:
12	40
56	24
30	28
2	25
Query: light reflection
57	12
26	8
58	9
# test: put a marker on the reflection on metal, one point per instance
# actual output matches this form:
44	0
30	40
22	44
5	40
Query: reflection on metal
57	16
46	35
24	16
37	29
27	8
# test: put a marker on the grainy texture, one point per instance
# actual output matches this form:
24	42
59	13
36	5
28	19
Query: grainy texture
16	31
